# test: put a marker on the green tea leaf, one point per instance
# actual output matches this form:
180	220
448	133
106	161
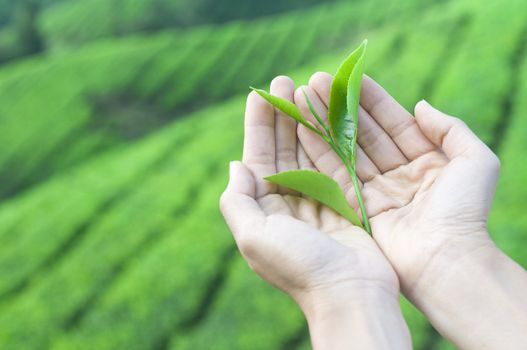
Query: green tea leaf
315	114
353	99
318	186
288	108
344	100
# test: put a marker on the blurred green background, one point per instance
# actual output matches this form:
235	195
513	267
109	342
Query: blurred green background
117	121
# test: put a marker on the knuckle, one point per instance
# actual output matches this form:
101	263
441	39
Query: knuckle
398	129
338	171
287	154
323	156
261	159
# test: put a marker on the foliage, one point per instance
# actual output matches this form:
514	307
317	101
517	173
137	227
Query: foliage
318	186
109	231
71	22
340	134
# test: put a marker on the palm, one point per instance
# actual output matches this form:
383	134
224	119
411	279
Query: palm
313	242
291	241
400	203
411	189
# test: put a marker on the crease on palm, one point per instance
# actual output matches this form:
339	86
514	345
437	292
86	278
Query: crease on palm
399	187
306	210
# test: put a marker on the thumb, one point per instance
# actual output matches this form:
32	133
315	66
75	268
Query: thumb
472	172
450	134
237	203
241	179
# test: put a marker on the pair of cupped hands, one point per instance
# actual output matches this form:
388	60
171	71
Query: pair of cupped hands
427	183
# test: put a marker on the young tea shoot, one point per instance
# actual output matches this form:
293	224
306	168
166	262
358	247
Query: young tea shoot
340	133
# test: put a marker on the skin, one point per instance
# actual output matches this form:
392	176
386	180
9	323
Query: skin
334	271
428	184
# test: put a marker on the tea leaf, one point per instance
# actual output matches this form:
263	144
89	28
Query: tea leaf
318	186
315	114
288	108
353	99
344	100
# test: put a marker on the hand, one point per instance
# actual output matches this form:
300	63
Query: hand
427	181
301	247
293	242
428	184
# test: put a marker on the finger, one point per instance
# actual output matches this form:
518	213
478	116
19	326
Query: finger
275	204
259	142
351	196
305	209
303	159
377	145
304	162
241	211
318	105
450	134
473	168
320	153
394	119
366	169
323	157
328	162
285	130
320	82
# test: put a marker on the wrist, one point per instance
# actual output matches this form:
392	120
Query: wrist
318	302
455	254
473	296
362	316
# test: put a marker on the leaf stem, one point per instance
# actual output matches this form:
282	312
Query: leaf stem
327	135
356	185
353	174
315	114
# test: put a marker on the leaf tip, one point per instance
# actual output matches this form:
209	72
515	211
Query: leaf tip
270	177
260	92
253	88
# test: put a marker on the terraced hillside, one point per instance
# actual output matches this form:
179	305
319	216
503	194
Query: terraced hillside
77	110
110	236
73	22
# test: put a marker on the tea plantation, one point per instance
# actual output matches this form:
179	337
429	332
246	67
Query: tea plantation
114	152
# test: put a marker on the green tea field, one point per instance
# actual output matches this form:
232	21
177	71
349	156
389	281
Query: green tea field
114	152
